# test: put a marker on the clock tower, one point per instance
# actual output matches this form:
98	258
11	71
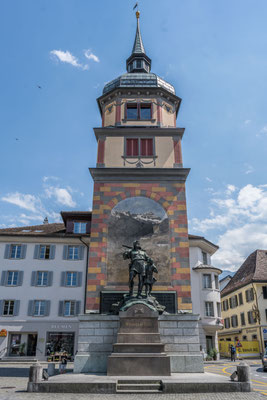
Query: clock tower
139	186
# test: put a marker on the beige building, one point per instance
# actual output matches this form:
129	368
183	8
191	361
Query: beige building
244	303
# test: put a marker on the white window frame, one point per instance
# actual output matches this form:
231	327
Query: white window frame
219	311
12	278
39	306
8	308
42	278
79	227
205	257
73	281
206	280
18	249
209	309
69	308
216	281
45	246
73	252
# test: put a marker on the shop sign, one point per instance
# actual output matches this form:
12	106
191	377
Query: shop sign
244	347
61	326
3	333
265	334
251	330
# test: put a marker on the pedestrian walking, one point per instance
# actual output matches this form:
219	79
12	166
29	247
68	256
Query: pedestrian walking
63	364
233	353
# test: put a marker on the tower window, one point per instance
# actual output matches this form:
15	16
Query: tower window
132	147
145	111
138	111
138	64
137	147
146	147
132	111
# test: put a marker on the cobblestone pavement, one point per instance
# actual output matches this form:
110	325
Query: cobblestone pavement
14	378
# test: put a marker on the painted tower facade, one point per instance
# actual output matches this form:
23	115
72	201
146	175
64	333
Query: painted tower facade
139	184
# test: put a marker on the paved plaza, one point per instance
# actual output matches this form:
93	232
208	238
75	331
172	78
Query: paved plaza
14	378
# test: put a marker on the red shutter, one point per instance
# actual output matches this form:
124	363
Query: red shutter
131	147
147	147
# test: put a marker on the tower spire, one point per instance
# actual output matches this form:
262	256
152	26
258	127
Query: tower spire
138	61
138	46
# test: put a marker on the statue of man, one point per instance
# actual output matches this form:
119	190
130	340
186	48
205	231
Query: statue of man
137	266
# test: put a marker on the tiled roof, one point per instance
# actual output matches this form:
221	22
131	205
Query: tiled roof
254	269
37	230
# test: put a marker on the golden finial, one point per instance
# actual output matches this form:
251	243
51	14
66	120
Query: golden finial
137	14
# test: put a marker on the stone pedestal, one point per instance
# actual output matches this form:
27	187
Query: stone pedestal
138	350
178	332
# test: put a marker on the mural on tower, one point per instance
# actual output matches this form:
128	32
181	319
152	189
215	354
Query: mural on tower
143	219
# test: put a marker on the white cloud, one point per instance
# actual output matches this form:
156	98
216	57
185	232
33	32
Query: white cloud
50	178
264	130
249	169
61	195
230	189
238	221
27	201
67	57
208	179
247	121
91	56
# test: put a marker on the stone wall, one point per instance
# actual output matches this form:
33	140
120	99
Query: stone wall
98	332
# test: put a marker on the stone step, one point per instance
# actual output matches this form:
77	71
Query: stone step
143	364
136	355
139	386
138	348
139	381
18	359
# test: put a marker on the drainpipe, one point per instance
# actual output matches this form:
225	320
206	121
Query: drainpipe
86	273
258	318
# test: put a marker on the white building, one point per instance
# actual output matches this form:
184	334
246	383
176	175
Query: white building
205	291
43	272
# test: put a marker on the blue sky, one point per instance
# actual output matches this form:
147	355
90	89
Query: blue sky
214	53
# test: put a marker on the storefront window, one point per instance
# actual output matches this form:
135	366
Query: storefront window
15	344
60	342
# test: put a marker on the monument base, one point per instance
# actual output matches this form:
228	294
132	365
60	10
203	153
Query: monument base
98	333
139	348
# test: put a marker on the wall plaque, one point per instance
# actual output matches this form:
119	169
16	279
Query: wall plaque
166	298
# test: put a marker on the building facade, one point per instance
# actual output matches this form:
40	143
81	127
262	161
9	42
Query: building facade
244	304
206	298
42	276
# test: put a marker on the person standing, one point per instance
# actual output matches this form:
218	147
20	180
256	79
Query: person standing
233	353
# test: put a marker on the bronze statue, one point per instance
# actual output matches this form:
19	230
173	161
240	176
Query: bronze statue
140	265
149	279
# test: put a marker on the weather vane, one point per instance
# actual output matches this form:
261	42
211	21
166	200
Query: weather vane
136	6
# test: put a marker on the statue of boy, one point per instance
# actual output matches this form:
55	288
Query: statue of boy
149	279
137	266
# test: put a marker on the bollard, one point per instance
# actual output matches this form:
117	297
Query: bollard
35	373
51	369
243	372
